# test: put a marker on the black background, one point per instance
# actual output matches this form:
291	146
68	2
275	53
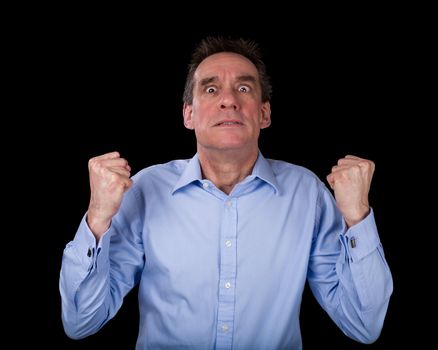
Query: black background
113	81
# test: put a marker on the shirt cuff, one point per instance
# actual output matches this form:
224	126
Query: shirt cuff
362	239
85	244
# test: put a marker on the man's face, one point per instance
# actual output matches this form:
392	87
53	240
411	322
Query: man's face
227	111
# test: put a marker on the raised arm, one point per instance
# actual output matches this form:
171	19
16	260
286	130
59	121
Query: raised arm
348	273
105	259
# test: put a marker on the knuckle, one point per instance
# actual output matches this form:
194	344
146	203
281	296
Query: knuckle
367	165
355	169
93	163
338	176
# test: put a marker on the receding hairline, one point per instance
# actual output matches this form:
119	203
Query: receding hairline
227	53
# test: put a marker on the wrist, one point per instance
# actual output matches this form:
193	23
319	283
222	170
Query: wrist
98	226
354	217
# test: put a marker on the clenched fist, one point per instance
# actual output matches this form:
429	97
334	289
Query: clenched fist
351	182
109	180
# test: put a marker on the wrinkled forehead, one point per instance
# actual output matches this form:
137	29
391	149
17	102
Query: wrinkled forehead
225	64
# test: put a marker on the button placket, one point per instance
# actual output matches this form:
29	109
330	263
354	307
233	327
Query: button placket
227	275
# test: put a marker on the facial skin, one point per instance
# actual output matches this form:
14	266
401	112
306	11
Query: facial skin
227	111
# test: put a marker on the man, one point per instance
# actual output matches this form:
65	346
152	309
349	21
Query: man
222	244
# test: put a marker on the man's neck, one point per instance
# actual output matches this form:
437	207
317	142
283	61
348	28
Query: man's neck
227	168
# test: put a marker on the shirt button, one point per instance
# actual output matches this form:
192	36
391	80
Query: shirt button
224	328
205	185
228	285
228	243
89	252
229	204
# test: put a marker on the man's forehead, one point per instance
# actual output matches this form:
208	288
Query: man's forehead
225	63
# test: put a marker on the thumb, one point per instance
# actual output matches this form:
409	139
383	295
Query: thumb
330	181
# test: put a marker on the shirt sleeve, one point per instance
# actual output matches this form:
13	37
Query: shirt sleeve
348	273
95	277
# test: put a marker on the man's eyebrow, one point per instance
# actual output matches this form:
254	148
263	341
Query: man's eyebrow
247	77
208	80
240	78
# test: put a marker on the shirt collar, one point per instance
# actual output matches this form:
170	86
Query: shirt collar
262	169
191	173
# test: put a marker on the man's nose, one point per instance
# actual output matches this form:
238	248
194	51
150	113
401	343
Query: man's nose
229	100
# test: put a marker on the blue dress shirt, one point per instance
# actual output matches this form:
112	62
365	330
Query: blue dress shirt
220	271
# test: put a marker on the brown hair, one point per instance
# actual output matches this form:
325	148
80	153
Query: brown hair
212	45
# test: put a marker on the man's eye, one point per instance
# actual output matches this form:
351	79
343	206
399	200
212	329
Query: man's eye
243	88
210	90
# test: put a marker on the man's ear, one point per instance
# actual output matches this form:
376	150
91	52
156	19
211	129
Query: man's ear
266	115
187	114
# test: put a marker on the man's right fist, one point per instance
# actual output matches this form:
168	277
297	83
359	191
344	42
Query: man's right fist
109	180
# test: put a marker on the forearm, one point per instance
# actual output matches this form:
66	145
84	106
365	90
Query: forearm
84	285
352	281
365	286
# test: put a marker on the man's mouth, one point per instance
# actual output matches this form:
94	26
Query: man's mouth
229	122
